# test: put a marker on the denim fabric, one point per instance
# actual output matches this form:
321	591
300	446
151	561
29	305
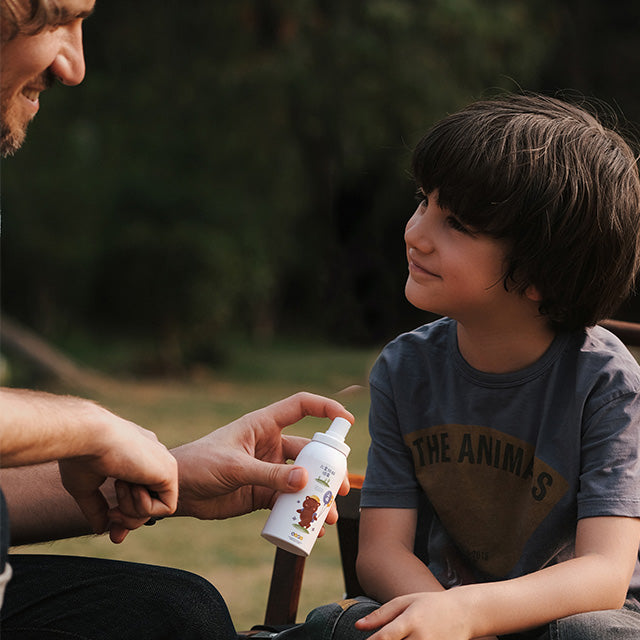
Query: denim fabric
61	597
618	624
337	620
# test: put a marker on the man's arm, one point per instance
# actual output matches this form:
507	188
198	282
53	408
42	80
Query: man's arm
596	579
39	506
40	427
90	445
233	470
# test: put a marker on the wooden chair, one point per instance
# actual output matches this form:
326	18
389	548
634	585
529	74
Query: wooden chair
628	332
288	569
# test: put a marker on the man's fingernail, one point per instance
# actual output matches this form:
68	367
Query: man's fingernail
296	477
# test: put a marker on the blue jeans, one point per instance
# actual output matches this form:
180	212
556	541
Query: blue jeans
74	598
336	622
619	624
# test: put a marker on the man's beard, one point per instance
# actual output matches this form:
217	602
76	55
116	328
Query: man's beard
12	130
11	138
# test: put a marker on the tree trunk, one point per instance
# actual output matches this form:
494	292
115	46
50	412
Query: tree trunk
46	359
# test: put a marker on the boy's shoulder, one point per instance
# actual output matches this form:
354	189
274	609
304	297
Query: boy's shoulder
434	335
432	342
603	355
595	356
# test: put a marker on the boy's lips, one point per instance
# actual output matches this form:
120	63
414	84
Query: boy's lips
418	268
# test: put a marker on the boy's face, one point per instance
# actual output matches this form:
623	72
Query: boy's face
453	271
30	63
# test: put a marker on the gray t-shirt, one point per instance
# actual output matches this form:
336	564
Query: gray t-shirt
502	466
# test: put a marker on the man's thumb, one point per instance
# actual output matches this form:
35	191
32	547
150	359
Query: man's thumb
279	477
296	479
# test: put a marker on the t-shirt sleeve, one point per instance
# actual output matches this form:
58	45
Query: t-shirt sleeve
390	480
610	460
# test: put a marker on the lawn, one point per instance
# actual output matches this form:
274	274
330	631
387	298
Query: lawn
231	553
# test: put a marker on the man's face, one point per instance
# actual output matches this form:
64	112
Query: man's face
30	63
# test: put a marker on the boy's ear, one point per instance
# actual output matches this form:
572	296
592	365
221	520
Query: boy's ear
532	293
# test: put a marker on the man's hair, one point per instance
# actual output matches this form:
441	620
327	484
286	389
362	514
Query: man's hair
561	189
27	17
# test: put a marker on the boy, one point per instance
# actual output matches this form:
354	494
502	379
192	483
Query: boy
508	431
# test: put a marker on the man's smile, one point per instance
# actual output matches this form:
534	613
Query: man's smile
33	90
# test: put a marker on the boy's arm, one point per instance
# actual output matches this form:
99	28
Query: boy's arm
387	566
596	579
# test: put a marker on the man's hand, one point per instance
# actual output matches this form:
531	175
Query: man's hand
240	467
91	444
146	478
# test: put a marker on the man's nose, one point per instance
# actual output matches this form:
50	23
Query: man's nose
69	65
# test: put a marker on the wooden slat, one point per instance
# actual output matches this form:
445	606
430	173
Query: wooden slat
284	592
628	332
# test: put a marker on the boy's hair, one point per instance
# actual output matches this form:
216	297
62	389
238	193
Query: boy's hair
27	17
559	187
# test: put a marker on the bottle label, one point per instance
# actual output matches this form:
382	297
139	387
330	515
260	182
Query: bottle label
312	507
297	518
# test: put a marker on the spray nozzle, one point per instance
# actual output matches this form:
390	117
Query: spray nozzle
339	428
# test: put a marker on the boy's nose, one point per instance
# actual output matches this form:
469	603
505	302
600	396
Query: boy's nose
416	232
69	65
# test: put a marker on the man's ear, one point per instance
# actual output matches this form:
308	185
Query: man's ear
532	293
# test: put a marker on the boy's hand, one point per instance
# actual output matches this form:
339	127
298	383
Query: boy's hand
419	616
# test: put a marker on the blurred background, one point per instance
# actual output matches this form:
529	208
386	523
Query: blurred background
217	211
239	171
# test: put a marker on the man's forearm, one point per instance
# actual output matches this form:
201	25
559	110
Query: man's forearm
91	445
40	427
40	509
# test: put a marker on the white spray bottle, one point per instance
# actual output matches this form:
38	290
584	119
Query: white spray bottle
296	518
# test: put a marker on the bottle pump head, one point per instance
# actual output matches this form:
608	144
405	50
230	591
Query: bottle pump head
339	428
335	435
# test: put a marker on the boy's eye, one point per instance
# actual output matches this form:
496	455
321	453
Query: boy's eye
421	198
455	224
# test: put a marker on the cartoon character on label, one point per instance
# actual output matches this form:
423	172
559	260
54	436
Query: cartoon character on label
308	511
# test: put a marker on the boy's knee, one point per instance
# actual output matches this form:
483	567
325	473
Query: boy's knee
337	620
619	624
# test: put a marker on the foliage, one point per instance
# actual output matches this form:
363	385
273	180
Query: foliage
242	167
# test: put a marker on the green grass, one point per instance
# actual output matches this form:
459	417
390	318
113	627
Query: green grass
231	553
